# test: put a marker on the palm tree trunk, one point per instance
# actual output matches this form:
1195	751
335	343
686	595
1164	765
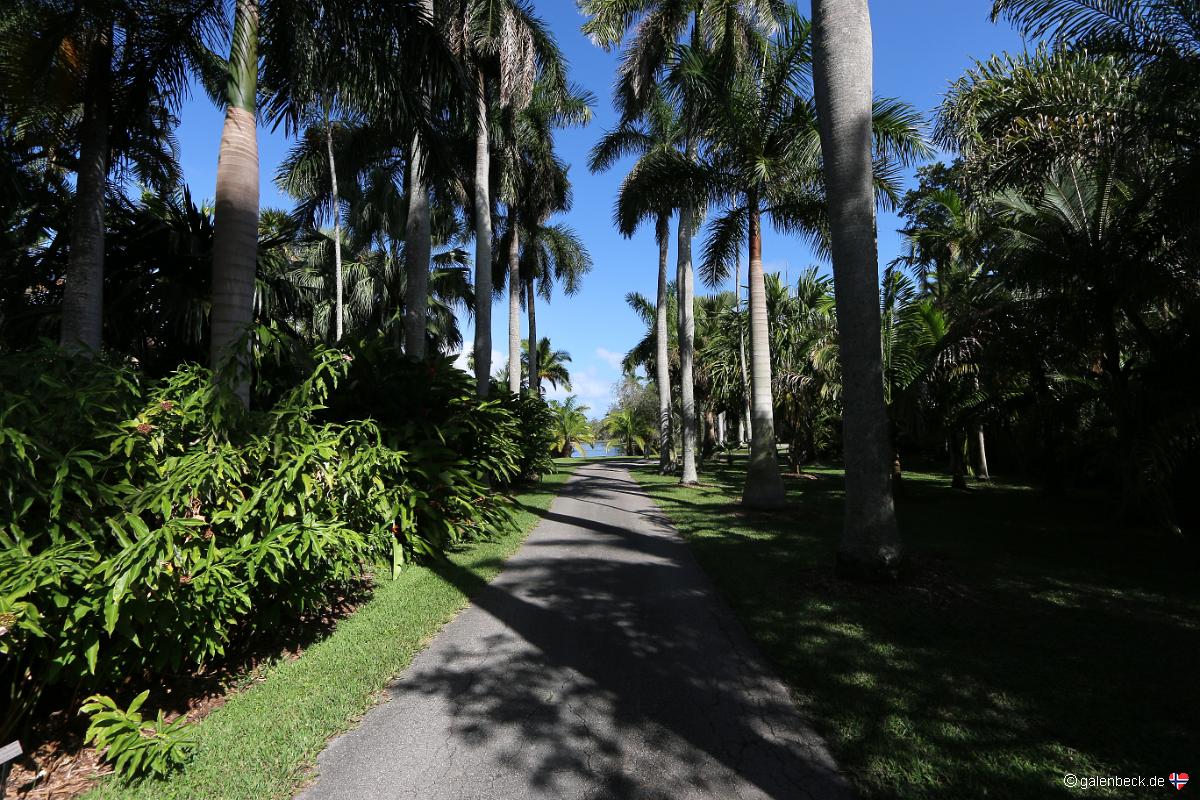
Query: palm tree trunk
417	248
764	486
514	306
662	348
83	297
981	465
417	245
958	463
235	235
535	368
687	341
745	421
483	241
870	546
338	326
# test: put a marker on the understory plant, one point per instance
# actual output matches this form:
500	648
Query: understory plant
147	522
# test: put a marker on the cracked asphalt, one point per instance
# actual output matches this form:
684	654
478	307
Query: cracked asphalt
599	664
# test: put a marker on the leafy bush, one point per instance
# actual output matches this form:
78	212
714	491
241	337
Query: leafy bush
150	521
135	747
535	425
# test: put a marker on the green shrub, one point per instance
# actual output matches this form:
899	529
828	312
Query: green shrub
135	747
150	521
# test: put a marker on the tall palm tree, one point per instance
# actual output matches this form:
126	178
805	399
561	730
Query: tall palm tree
362	59
870	545
417	236
502	42
534	186
655	132
235	239
659	26
103	78
553	253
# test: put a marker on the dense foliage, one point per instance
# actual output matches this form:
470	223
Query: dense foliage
151	520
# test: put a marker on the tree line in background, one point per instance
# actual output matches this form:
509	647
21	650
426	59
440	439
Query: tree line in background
1046	302
421	129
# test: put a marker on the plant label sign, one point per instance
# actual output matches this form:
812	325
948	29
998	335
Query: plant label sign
9	753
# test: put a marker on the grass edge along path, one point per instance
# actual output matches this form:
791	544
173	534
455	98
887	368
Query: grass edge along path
264	741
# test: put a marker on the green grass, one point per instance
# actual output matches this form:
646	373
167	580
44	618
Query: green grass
263	742
1032	638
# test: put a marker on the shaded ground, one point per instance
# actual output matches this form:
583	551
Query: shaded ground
1032	637
598	665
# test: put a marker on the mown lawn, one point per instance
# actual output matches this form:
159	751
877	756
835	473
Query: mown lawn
1032	638
263	742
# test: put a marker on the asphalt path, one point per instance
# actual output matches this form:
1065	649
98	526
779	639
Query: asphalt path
599	664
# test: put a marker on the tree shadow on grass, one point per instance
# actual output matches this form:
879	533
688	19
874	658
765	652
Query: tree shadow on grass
1032	638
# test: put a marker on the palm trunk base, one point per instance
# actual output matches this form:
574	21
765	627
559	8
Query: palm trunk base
764	492
875	565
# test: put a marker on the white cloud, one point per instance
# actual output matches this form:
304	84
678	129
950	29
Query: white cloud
609	357
589	387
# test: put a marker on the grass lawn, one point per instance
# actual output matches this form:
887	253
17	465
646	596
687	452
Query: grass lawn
262	743
1033	638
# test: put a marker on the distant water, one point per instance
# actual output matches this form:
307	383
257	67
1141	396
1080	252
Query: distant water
600	449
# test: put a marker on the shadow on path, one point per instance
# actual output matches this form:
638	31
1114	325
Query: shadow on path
599	664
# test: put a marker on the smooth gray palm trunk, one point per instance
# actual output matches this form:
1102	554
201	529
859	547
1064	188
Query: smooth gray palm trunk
483	244
338	320
535	367
83	296
764	485
514	308
687	340
417	248
842	64
662	349
745	420
417	244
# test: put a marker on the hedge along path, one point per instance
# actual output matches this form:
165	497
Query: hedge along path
263	742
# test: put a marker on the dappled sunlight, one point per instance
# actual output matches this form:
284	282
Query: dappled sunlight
995	666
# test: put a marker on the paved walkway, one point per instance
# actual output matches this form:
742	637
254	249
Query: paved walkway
599	664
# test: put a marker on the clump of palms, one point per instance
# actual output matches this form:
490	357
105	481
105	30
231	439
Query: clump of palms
572	429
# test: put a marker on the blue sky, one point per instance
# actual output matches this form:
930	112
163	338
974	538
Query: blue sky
920	46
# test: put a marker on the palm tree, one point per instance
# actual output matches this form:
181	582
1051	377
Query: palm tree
535	186
571	426
552	253
661	25
551	364
624	425
103	79
372	35
656	132
505	43
417	236
235	239
870	544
